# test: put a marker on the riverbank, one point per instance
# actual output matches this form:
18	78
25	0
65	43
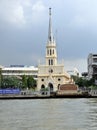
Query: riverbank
8	97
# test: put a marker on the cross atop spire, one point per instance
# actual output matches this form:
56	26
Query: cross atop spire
50	35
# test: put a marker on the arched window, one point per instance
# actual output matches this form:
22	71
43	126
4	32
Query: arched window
42	89
50	51
51	61
58	86
53	51
42	86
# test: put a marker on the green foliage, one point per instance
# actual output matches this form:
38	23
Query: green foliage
24	81
93	87
10	82
14	82
28	82
79	82
82	82
91	82
31	82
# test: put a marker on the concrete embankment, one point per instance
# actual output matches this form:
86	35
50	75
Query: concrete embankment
8	97
22	97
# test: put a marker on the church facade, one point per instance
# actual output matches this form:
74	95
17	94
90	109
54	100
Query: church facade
51	75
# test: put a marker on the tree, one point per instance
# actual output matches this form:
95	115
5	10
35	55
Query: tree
11	82
91	82
79	82
83	82
31	82
24	81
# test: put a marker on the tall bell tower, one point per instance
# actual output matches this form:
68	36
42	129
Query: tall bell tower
51	74
51	53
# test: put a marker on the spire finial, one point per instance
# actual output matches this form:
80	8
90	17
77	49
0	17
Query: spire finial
49	11
50	35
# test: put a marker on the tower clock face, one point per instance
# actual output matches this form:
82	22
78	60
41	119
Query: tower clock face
50	70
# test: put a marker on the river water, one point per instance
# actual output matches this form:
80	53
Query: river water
48	114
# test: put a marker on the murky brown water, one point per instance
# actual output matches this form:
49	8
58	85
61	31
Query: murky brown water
48	114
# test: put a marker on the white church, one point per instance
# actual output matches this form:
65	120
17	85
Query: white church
51	75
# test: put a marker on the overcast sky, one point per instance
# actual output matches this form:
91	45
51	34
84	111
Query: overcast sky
24	31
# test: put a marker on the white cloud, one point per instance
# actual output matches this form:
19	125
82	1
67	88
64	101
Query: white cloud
22	12
26	3
38	12
38	6
12	12
18	16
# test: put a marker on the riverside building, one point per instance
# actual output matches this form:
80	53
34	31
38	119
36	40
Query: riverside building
51	75
19	70
92	66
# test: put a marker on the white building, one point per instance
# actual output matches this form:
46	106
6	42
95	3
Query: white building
51	75
92	66
74	72
19	70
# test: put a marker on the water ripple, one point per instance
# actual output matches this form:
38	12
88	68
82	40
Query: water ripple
48	114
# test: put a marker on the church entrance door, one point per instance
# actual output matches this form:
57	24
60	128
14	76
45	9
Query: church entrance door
50	85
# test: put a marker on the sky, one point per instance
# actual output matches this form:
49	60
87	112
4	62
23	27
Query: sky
24	31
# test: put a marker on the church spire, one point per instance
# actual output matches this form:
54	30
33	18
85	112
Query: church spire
50	35
51	53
